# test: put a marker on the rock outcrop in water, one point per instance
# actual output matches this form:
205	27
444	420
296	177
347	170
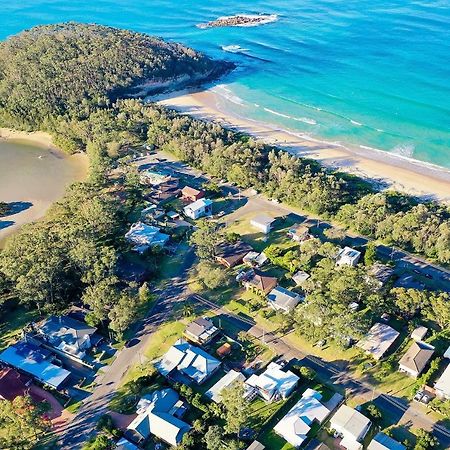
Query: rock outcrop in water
240	20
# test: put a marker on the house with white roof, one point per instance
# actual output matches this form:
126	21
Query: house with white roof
274	383
255	259
188	360
67	335
200	208
262	223
447	353
419	333
296	424
382	441
143	236
378	340
281	299
159	414
300	277
351	425
201	331
442	385
233	376
348	256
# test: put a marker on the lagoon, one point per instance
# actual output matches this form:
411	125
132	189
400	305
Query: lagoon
32	177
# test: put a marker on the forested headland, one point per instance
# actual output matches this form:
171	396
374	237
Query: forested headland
67	80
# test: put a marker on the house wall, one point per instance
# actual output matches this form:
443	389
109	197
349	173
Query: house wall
408	371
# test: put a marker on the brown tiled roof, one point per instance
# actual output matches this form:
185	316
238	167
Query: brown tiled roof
12	384
417	356
189	191
263	282
234	253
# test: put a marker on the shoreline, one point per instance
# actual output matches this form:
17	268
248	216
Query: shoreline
383	169
40	197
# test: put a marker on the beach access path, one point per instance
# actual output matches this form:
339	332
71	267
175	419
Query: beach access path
383	168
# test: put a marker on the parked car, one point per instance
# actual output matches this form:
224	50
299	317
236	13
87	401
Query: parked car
418	396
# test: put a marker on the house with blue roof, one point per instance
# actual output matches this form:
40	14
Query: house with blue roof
34	361
143	236
159	414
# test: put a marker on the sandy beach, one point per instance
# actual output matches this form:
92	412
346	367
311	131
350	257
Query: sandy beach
388	171
33	175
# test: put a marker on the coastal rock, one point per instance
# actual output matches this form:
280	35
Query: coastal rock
240	20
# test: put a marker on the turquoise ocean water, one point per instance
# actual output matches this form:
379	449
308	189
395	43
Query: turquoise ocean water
370	73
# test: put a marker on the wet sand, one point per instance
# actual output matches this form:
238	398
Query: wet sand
33	175
382	168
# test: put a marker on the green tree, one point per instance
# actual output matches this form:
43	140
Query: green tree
22	423
211	276
425	440
370	254
213	438
205	239
236	407
123	313
99	442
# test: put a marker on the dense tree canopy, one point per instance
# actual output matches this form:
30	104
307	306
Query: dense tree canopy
65	68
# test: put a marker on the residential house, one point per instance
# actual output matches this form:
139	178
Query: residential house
260	283
224	350
442	385
300	277
416	358
231	254
296	424
233	376
447	353
201	331
125	444
152	212
256	445
67	336
262	223
166	191
187	360
143	236
348	256
35	361
284	300
382	441
159	415
419	333
381	273
351	425
274	383
198	209
299	233
154	177
190	194
255	259
378	340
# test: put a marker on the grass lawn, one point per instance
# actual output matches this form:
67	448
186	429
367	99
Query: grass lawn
163	339
170	264
259	241
13	323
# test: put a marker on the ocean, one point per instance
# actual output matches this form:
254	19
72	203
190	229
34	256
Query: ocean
374	74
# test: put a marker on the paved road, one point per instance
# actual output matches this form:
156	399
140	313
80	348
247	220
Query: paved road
83	425
440	276
396	408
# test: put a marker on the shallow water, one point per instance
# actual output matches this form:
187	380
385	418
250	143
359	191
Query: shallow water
31	179
371	73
